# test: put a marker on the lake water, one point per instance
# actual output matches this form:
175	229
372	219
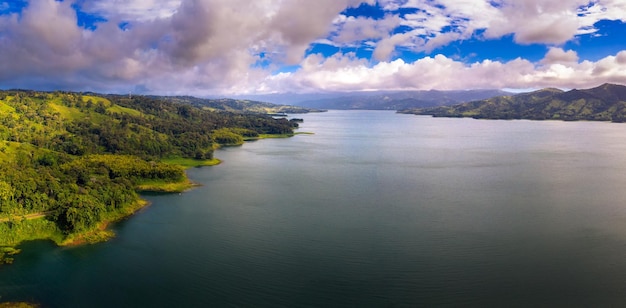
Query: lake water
376	209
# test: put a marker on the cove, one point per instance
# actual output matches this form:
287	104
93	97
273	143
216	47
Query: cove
375	209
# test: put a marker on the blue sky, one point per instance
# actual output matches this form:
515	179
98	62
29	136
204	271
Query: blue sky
221	47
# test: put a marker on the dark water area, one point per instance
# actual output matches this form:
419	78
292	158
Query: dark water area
376	209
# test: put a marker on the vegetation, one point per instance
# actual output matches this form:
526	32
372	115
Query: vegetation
191	162
18	305
70	163
397	100
6	252
604	103
165	186
237	105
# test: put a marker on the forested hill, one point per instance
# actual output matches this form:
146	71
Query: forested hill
399	100
237	105
604	103
79	158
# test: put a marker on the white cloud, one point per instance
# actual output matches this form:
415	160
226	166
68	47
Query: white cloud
211	46
356	29
537	21
385	48
346	73
529	21
557	55
200	44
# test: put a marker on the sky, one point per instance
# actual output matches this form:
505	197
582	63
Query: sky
234	47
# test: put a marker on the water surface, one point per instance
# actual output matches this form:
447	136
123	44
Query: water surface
376	209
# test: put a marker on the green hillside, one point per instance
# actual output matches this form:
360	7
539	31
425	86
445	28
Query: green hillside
70	163
237	105
604	103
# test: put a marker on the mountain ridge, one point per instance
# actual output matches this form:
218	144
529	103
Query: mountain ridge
401	100
606	102
377	100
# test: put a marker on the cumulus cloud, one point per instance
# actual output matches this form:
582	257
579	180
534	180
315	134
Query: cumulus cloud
385	48
346	73
215	46
557	55
353	30
538	21
529	21
210	44
54	43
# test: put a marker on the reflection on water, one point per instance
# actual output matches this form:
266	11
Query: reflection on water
374	209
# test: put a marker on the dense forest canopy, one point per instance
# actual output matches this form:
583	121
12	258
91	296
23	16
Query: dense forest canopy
78	159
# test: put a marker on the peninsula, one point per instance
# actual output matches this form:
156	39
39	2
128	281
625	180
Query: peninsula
70	163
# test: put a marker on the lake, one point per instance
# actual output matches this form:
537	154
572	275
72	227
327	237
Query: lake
375	209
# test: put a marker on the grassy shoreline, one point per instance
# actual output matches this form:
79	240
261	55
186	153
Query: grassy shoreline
39	228
42	229
102	233
18	305
23	229
277	136
190	162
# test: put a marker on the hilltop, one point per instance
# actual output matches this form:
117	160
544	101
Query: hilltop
603	103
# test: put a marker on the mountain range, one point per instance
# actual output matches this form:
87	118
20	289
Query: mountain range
377	100
603	103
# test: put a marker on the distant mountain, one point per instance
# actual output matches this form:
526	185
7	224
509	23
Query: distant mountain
379	100
286	98
236	105
604	103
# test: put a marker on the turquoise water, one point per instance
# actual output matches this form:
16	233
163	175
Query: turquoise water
376	209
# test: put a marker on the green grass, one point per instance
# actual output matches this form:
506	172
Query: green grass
176	187
270	136
8	149
13	233
18	305
67	112
89	237
6	254
190	162
72	113
124	110
4	108
165	187
97	99
97	118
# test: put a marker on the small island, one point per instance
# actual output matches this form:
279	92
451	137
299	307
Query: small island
72	163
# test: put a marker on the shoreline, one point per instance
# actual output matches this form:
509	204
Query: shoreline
102	233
